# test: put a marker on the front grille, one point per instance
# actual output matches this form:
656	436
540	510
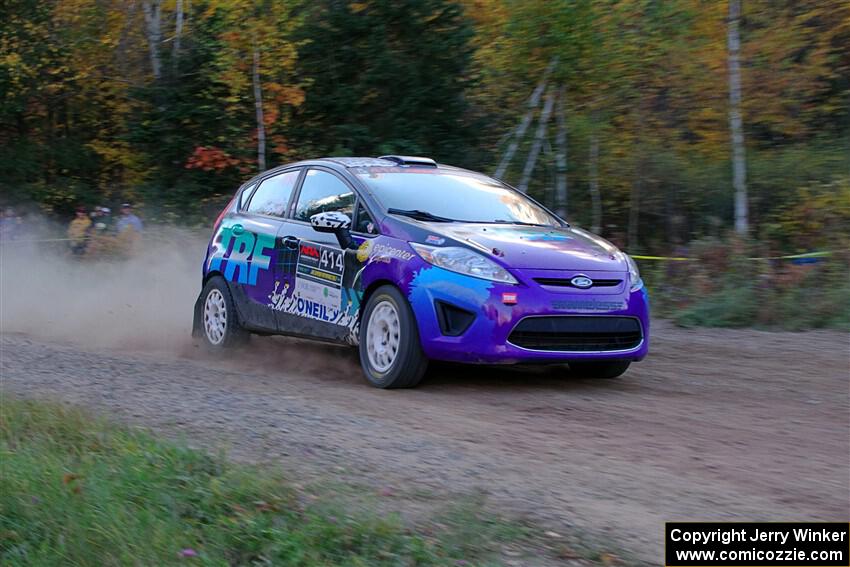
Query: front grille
577	334
566	282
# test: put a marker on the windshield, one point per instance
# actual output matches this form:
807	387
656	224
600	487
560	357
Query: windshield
455	195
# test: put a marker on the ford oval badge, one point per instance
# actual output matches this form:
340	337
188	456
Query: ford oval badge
582	282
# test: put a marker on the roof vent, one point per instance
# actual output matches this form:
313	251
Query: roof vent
411	160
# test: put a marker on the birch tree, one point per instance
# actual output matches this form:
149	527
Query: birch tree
152	10
739	166
595	196
561	155
537	144
256	63
178	33
258	110
519	133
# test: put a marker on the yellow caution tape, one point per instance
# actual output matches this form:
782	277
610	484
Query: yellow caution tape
789	257
672	259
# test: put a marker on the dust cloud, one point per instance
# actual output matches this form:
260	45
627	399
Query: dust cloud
142	302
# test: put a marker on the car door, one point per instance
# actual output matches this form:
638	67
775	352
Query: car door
254	249
319	277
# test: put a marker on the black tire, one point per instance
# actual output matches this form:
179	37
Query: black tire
233	334
408	364
604	370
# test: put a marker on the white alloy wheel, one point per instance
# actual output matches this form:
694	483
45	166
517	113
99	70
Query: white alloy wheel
215	317
382	336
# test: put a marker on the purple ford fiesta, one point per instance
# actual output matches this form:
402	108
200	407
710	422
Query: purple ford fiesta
415	261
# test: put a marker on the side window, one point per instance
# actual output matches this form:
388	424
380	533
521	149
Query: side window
243	196
272	197
322	192
363	221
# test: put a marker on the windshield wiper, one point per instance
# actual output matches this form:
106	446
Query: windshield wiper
503	221
419	215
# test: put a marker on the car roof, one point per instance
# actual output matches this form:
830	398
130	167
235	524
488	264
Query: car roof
360	161
365	162
352	162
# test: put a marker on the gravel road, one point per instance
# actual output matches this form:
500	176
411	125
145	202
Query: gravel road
714	425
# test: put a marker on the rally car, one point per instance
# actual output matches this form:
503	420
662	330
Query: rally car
411	261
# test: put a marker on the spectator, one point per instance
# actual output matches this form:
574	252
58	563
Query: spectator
101	241
102	219
78	232
128	220
9	224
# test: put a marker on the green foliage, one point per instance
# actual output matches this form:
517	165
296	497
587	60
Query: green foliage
386	76
725	285
77	491
181	112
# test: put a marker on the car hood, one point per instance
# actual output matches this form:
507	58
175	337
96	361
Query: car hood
537	247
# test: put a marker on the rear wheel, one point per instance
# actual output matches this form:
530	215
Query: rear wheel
390	353
218	317
597	369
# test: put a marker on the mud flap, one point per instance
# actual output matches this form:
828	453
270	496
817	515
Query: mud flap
197	328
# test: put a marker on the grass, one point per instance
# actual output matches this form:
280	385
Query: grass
722	287
77	490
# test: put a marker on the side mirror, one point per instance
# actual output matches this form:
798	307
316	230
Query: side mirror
335	223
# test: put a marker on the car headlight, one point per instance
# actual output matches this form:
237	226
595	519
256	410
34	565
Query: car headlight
634	273
463	261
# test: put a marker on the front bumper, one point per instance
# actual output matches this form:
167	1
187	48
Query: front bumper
487	339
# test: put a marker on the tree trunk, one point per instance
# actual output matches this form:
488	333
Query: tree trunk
153	32
637	184
539	135
634	214
523	125
178	34
258	107
561	155
595	197
739	164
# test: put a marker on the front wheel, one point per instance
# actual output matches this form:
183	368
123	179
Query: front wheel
597	369
218	317
390	353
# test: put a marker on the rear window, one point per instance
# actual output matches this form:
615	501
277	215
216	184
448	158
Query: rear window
459	195
245	195
273	195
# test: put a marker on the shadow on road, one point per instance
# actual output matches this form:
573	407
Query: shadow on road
338	366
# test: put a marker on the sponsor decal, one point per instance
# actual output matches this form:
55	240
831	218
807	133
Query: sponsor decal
547	237
247	250
318	280
318	292
364	250
433	239
529	234
375	252
385	253
509	298
588	305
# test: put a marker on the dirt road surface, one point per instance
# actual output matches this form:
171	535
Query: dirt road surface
714	425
